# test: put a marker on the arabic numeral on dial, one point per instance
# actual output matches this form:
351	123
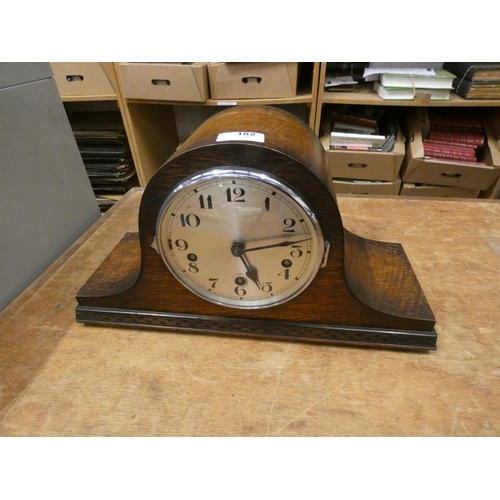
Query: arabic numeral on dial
285	274
182	245
236	195
297	252
266	287
213	281
205	202
287	264
289	223
267	204
191	220
192	257
240	291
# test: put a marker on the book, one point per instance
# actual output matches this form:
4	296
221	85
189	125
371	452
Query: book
438	94
456	136
352	69
476	80
394	93
451	143
447	151
448	156
441	79
368	128
354	119
343	76
389	143
475	71
457	160
455	119
423	118
470	90
355	129
408	94
352	147
370	141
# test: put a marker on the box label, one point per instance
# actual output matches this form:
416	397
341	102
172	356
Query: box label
241	136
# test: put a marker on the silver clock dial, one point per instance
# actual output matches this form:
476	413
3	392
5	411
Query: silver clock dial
239	237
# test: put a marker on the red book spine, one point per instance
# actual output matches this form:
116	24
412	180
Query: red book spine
439	142
450	156
453	121
466	138
453	126
458	151
454	160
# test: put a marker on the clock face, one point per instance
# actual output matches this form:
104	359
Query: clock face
240	238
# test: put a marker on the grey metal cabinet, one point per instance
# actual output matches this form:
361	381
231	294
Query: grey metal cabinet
46	200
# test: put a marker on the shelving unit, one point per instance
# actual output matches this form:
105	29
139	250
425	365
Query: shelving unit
156	128
90	87
364	95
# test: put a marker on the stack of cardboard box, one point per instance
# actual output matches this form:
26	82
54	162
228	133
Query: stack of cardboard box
200	81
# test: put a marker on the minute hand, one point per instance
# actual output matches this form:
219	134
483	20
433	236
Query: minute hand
282	244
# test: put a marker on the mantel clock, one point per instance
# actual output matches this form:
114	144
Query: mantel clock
240	234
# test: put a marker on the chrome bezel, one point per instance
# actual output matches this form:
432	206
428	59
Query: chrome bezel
240	173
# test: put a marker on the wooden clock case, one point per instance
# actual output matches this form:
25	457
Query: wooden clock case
367	294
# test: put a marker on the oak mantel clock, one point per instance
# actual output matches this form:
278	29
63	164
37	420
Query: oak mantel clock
240	234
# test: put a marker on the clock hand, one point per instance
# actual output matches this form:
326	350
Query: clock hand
252	273
282	244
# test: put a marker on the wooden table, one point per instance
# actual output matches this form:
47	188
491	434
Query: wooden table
62	378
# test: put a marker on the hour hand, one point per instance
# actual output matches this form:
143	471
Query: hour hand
252	273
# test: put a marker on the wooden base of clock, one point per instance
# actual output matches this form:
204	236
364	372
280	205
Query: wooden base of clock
102	302
366	295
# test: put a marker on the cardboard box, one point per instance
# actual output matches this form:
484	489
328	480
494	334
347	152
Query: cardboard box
493	192
253	80
409	189
363	165
81	79
367	187
417	168
185	82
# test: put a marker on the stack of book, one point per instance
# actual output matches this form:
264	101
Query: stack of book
106	154
476	80
405	85
455	136
367	128
344	76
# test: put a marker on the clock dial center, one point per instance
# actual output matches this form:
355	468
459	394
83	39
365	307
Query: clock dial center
237	249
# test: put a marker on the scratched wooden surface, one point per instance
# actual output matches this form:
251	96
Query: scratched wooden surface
60	378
